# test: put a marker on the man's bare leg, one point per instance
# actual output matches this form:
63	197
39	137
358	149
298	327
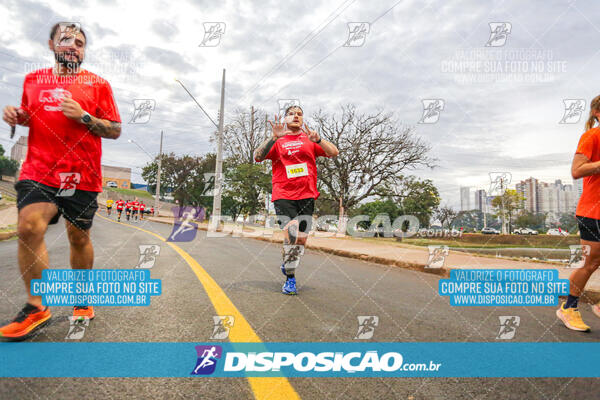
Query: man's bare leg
82	251
32	224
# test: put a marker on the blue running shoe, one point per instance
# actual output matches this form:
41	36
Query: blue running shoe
289	287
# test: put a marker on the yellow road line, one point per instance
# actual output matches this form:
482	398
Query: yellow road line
263	388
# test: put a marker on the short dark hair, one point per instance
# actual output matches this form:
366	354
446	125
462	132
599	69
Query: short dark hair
57	25
293	106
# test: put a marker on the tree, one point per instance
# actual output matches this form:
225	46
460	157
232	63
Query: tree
374	153
243	134
229	206
568	222
469	220
8	167
326	205
2	151
507	205
530	220
415	197
184	176
372	209
446	215
244	184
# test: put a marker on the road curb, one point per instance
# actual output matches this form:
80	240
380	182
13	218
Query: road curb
591	296
7	235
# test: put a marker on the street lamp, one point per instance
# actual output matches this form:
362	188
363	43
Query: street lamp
216	210
138	145
157	194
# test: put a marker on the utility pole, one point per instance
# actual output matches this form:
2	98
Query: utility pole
252	132
484	209
157	199
216	211
502	202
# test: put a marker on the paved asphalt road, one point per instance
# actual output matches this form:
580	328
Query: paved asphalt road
333	291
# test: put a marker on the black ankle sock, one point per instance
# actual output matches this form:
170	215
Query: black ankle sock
571	302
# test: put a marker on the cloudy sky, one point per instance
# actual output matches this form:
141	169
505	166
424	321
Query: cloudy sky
503	94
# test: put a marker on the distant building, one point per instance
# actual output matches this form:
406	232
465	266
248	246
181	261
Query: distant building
116	177
549	198
480	199
19	150
140	186
465	198
578	185
529	190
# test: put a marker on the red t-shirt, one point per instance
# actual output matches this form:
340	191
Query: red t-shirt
57	144
295	167
589	202
136	205
128	204
120	204
142	206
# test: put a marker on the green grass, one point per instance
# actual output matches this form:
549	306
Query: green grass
464	244
131	193
9	228
423	242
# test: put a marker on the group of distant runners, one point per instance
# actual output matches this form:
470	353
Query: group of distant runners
134	209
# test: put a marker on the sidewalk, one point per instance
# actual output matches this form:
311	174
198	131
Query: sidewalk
401	255
8	217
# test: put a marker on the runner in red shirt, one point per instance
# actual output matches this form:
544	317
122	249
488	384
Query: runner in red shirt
68	110
293	149
142	210
135	205
120	205
128	207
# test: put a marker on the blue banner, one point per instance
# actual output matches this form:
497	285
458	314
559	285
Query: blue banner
303	359
503	287
96	287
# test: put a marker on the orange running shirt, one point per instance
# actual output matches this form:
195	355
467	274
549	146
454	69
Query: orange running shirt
589	202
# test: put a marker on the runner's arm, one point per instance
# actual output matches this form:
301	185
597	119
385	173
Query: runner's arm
99	127
329	148
15	116
104	128
583	167
261	152
314	136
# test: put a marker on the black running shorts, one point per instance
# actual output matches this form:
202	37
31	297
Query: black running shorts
301	210
589	228
78	208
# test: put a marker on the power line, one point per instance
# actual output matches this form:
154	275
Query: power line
331	53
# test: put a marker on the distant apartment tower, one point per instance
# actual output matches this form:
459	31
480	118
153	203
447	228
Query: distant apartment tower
528	189
578	185
465	198
19	150
549	198
480	199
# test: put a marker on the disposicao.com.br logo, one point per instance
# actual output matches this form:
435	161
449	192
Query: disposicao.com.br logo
288	359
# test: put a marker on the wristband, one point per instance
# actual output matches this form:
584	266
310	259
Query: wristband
318	141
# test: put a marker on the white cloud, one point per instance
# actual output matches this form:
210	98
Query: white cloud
142	47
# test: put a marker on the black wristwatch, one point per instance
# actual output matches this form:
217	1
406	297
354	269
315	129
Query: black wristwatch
318	141
86	119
